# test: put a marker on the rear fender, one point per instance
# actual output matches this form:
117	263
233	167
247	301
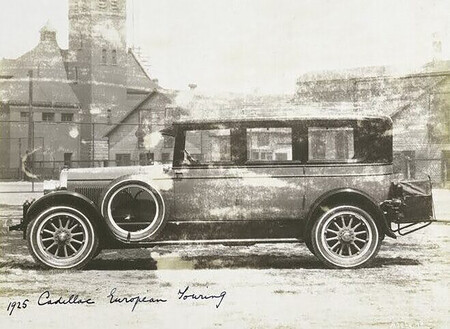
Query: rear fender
346	195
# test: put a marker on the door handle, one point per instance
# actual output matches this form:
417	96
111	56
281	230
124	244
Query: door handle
178	175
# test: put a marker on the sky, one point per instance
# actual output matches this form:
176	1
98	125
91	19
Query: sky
257	46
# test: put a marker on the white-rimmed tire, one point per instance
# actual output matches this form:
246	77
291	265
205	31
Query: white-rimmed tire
62	237
133	210
345	237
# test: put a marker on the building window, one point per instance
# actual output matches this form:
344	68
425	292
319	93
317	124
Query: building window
123	159
66	117
169	141
101	4
114	57
166	158
24	116
146	159
68	159
48	116
167	113
103	56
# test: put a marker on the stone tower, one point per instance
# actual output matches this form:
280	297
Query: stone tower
98	64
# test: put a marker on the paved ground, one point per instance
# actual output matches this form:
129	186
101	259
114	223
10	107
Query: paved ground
267	286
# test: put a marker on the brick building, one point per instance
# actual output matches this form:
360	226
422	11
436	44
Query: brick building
418	103
77	93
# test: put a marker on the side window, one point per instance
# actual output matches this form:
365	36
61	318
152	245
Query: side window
330	144
123	159
269	144
207	146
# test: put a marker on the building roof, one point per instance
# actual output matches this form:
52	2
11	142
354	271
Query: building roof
50	83
137	77
134	110
290	116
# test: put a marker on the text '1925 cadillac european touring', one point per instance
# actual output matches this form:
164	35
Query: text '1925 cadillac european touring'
325	181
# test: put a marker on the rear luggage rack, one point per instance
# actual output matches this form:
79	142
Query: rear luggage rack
400	229
410	206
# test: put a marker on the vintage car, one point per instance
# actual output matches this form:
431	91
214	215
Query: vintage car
325	181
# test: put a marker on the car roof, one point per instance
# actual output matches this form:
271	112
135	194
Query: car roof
300	117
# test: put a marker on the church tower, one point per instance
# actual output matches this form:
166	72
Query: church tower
98	63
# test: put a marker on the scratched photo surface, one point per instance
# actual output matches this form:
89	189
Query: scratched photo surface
219	164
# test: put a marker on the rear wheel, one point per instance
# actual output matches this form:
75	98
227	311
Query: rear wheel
62	238
345	237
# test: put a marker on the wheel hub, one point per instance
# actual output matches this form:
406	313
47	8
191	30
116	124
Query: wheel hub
62	236
346	235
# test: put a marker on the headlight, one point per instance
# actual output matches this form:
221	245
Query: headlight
63	178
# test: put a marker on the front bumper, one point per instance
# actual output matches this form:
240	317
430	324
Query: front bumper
21	225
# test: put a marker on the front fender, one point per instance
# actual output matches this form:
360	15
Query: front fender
67	198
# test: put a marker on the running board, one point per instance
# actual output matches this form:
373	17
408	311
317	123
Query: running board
226	242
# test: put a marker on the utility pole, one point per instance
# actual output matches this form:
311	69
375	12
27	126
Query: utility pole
31	126
93	144
30	118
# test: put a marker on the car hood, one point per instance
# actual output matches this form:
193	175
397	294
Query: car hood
157	171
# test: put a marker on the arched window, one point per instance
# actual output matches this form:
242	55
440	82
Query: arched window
104	56
114	5
114	57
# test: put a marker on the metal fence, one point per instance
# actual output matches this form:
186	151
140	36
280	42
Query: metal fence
55	144
44	170
419	168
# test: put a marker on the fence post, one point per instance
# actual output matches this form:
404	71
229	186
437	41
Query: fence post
443	171
20	174
408	167
93	144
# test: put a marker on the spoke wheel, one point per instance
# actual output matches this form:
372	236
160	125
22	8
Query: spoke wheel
345	237
62	238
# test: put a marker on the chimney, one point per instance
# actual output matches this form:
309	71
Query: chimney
192	86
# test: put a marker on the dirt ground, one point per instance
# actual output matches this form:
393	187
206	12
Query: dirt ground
266	285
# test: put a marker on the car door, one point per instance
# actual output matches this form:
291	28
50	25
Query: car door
273	180
207	184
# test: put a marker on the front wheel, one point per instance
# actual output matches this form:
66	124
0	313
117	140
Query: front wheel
62	238
345	237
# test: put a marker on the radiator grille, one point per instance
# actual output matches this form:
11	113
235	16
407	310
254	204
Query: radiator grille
92	193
